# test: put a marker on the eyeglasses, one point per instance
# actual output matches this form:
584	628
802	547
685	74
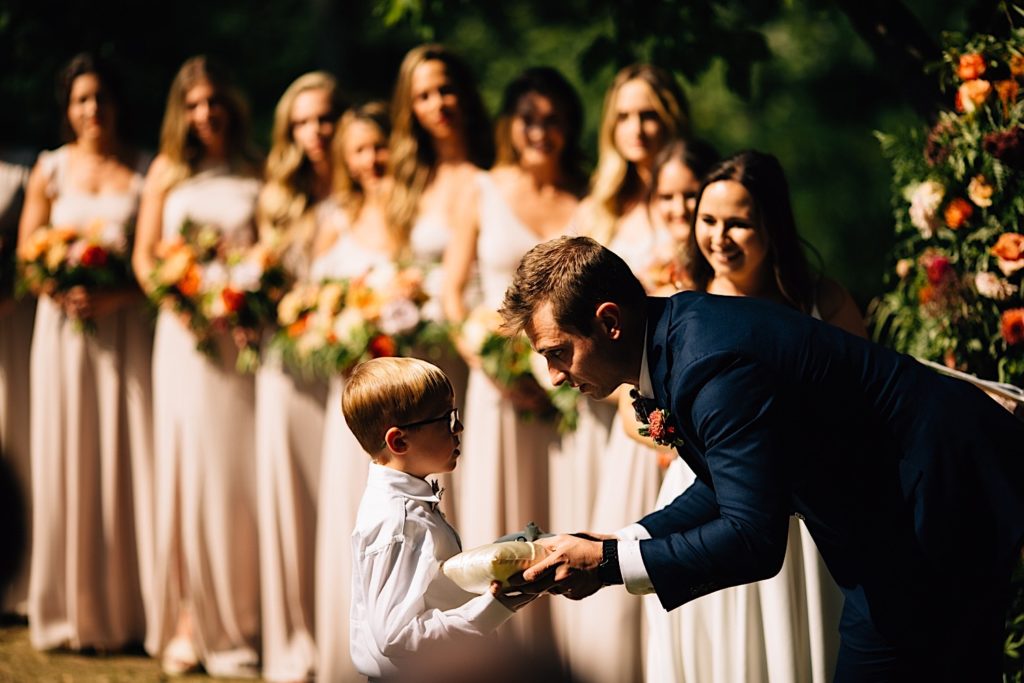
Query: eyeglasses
452	416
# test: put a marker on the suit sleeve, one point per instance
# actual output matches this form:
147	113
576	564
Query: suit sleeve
737	416
691	508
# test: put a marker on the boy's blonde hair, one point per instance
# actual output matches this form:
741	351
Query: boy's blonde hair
385	392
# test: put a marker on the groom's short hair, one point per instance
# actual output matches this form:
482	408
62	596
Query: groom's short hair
576	274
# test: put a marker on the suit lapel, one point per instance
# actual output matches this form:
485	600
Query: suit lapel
660	313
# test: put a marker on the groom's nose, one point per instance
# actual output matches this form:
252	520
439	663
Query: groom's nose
557	376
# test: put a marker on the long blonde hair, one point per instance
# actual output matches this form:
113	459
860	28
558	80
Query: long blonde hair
615	178
413	159
347	191
285	202
179	145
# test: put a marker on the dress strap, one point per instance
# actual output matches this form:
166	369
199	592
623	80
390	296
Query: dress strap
54	164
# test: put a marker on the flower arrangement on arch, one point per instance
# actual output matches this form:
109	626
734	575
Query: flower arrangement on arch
222	288
955	291
326	328
509	360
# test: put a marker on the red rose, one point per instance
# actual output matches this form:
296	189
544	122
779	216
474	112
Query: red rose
232	299
937	268
971	66
958	211
1013	326
94	256
382	345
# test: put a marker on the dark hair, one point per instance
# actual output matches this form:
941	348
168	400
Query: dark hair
697	155
81	64
549	82
576	274
762	176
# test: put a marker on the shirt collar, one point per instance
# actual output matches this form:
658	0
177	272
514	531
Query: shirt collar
646	386
406	485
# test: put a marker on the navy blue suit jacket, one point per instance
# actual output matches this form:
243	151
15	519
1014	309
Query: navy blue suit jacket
909	482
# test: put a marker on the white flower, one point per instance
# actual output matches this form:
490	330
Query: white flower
979	191
112	237
310	340
75	251
329	297
347	325
903	267
1009	267
480	324
925	199
398	316
289	307
246	276
215	277
382	277
991	286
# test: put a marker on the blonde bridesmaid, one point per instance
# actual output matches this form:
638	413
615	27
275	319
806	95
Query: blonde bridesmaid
643	109
289	408
353	239
90	392
207	606
441	137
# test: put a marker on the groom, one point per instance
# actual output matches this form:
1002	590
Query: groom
911	484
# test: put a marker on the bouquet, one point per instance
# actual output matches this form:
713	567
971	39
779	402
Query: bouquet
509	360
955	289
327	328
59	258
220	288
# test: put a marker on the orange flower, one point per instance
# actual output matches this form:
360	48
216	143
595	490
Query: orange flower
1017	66
972	95
926	295
1007	91
1013	326
382	345
971	66
958	211
65	234
298	327
190	281
1009	246
232	299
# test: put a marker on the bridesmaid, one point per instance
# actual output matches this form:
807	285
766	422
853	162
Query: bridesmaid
528	198
289	408
441	137
643	110
207	607
16	321
353	239
90	393
744	242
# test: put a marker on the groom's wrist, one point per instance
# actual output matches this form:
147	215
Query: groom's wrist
608	572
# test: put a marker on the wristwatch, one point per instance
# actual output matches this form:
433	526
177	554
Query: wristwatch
608	572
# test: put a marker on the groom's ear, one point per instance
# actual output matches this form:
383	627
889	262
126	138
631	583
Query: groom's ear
609	319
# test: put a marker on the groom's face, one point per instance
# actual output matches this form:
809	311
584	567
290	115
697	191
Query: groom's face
587	362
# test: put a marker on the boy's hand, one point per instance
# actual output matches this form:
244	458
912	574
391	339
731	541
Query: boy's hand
519	593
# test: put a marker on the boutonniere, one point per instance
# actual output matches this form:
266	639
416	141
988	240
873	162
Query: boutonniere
654	422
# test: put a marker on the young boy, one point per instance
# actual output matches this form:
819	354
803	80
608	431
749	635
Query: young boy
402	412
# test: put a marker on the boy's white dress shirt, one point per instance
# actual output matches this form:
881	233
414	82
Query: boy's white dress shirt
401	600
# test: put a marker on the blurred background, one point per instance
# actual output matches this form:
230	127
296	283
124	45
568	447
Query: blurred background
807	80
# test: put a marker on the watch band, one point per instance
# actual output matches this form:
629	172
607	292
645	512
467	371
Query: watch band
608	571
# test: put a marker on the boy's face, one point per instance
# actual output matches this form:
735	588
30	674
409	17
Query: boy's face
433	444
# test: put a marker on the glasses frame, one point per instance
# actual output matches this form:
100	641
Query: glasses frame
451	415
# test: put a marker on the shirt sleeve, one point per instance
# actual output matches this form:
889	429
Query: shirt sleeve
396	577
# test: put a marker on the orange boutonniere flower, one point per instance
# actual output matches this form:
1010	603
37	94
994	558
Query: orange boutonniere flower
232	299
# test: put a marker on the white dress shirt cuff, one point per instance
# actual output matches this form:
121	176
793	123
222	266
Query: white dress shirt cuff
631	564
486	613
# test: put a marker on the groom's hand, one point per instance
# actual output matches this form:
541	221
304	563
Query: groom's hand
567	555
